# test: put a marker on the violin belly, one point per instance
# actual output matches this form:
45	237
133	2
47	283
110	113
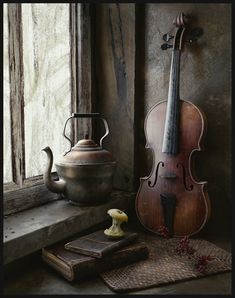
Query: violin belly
173	174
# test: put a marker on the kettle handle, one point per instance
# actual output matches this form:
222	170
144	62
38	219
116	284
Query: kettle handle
87	115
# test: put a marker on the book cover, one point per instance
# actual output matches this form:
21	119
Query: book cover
98	245
75	267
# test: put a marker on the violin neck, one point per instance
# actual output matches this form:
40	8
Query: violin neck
170	138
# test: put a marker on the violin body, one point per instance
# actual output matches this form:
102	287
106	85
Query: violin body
173	175
170	196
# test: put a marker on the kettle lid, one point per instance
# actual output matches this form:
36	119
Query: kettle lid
86	152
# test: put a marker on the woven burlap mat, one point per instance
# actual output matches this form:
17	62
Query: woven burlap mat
164	266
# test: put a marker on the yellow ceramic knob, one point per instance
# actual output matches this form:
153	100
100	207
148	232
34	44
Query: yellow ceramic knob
118	217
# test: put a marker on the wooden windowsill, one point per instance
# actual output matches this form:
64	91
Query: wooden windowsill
30	230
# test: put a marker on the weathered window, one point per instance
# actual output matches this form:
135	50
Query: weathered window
41	45
47	81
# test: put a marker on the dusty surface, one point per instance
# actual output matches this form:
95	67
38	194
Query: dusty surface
27	231
38	278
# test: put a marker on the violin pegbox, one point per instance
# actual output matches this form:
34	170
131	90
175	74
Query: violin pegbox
193	34
180	21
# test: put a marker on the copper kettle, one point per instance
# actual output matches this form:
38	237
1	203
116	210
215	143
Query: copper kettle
85	171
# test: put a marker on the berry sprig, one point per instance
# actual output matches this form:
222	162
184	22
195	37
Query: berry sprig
202	262
163	231
184	248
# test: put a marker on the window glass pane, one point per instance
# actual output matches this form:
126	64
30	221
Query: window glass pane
47	95
6	103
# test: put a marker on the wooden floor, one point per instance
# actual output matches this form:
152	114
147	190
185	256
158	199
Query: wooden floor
30	275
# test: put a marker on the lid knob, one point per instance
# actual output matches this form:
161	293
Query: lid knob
86	143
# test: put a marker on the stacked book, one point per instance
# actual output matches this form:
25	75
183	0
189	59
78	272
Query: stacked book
92	254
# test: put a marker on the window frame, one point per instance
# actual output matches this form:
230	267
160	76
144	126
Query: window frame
25	193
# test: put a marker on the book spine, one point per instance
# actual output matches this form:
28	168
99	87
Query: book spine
122	258
119	244
66	272
82	251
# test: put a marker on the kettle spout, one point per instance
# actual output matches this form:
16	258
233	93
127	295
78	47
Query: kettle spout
54	186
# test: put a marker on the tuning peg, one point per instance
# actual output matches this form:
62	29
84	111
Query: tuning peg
196	32
167	37
192	40
166	46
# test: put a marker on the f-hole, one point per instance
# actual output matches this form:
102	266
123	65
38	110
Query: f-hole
156	175
190	188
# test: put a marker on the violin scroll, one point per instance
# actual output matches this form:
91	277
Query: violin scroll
180	20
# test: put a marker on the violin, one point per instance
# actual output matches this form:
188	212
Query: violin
171	196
